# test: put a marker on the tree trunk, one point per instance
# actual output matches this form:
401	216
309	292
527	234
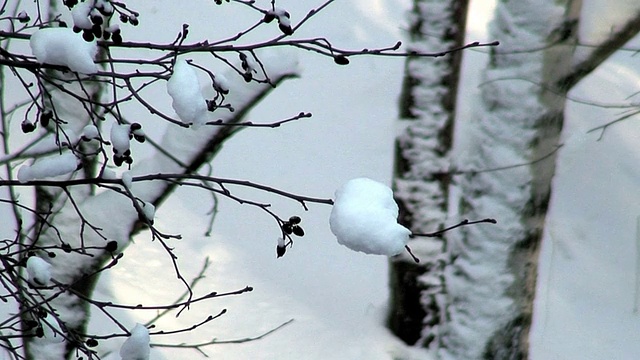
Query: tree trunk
421	179
492	282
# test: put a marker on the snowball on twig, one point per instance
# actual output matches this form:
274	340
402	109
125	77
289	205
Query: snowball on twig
365	218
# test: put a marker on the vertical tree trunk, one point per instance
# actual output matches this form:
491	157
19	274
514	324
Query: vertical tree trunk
491	283
421	180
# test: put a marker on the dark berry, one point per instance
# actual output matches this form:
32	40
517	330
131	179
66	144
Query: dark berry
341	60
23	17
77	29
66	247
117	38
286	29
27	127
295	220
124	18
111	246
87	35
97	31
287	228
70	3
97	20
45	117
297	230
91	343
280	250
269	17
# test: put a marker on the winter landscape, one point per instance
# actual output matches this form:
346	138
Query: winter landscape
278	230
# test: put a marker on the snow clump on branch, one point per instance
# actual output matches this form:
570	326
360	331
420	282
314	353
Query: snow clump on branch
39	271
184	89
61	46
51	166
365	218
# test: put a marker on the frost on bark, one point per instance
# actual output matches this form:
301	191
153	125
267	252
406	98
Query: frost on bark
421	180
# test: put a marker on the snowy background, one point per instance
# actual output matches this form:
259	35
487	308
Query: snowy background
587	304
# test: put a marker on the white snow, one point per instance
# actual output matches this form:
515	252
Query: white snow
136	347
184	89
90	132
51	166
51	329
149	211
120	138
80	15
61	46
39	271
364	218
127	179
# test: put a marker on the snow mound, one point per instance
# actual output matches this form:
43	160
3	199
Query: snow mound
364	218
61	46
184	89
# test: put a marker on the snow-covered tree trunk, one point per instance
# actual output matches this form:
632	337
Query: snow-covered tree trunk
421	180
489	285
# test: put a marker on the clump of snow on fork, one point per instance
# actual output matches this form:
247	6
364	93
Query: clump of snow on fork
365	218
61	46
